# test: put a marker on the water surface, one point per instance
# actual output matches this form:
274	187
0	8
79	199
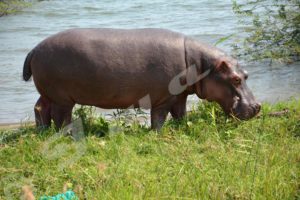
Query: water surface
203	19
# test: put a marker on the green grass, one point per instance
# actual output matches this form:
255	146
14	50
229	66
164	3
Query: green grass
205	156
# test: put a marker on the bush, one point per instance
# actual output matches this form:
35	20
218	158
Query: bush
272	27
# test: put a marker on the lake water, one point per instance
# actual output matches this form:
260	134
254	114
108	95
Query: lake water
203	19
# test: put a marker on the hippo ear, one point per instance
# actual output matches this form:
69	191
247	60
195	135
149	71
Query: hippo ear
222	66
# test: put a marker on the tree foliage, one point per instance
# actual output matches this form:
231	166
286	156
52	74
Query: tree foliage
11	6
272	28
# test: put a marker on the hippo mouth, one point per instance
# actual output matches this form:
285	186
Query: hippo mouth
243	110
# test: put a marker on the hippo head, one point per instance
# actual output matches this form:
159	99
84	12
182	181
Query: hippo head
226	84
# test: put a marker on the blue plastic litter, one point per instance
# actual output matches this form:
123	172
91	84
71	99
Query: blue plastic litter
69	195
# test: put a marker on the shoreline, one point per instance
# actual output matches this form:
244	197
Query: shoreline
15	125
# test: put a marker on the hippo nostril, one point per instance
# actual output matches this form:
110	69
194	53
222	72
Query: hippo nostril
256	107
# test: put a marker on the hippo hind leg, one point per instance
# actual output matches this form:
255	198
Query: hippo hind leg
61	114
42	111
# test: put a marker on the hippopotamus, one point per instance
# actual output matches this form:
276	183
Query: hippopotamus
133	68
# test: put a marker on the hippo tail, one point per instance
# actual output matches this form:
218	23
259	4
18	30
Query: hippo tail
27	66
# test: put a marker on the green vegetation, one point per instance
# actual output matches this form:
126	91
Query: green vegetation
272	27
205	156
11	6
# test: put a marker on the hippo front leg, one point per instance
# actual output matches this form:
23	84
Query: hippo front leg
158	117
178	109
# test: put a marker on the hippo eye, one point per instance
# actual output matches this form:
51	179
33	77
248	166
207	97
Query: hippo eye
236	81
245	74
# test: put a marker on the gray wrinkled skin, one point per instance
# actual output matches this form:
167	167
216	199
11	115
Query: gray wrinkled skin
115	68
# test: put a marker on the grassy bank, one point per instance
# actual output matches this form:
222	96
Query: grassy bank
205	156
11	6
